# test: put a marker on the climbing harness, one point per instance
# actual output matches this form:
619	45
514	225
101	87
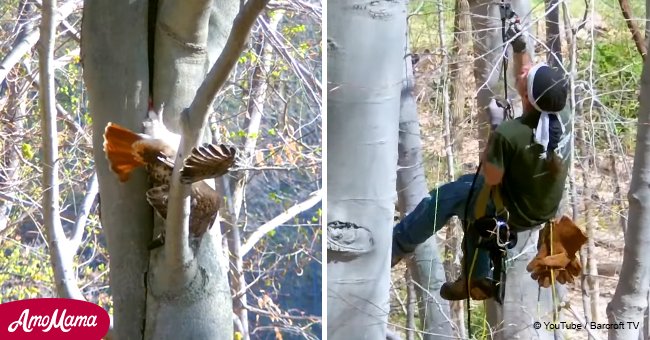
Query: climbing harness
495	236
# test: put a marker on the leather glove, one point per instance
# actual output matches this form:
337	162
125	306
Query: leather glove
514	32
566	240
563	276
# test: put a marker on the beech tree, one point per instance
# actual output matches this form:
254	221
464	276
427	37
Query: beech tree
165	50
363	117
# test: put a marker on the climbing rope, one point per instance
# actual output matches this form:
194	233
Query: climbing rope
506	14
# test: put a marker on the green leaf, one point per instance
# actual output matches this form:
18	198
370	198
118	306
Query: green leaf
27	151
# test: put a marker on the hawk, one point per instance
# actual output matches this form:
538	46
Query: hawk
156	152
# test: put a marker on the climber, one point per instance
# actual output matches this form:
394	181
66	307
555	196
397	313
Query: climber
525	159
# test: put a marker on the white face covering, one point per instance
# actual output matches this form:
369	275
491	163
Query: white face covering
542	135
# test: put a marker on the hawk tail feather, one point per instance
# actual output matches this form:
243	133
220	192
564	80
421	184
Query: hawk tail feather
118	146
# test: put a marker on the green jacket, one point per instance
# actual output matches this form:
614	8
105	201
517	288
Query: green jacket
530	193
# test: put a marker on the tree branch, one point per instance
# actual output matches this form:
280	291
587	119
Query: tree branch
278	220
82	217
61	254
28	38
193	121
63	114
309	81
198	111
256	102
634	29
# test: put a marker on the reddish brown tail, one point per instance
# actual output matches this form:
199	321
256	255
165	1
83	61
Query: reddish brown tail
118	146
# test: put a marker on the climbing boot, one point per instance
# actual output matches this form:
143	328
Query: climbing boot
480	289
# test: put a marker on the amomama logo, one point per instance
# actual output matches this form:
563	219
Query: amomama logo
52	319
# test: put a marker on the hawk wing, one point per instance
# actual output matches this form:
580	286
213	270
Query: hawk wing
204	205
157	198
207	161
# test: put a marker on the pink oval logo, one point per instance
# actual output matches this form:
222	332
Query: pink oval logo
52	318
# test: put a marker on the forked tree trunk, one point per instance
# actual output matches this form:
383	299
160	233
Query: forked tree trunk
166	297
363	115
631	297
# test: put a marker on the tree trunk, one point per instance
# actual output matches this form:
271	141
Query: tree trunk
62	250
426	268
576	109
459	72
553	37
459	68
587	254
487	38
118	87
362	147
524	302
182	292
630	298
411	301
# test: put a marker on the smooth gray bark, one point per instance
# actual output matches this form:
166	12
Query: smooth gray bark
426	266
182	54
114	56
631	296
365	70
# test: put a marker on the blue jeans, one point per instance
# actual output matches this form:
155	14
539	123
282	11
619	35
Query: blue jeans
433	212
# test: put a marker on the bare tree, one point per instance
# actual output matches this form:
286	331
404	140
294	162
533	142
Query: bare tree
61	248
631	296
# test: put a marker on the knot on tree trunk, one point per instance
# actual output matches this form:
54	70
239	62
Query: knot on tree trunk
348	239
